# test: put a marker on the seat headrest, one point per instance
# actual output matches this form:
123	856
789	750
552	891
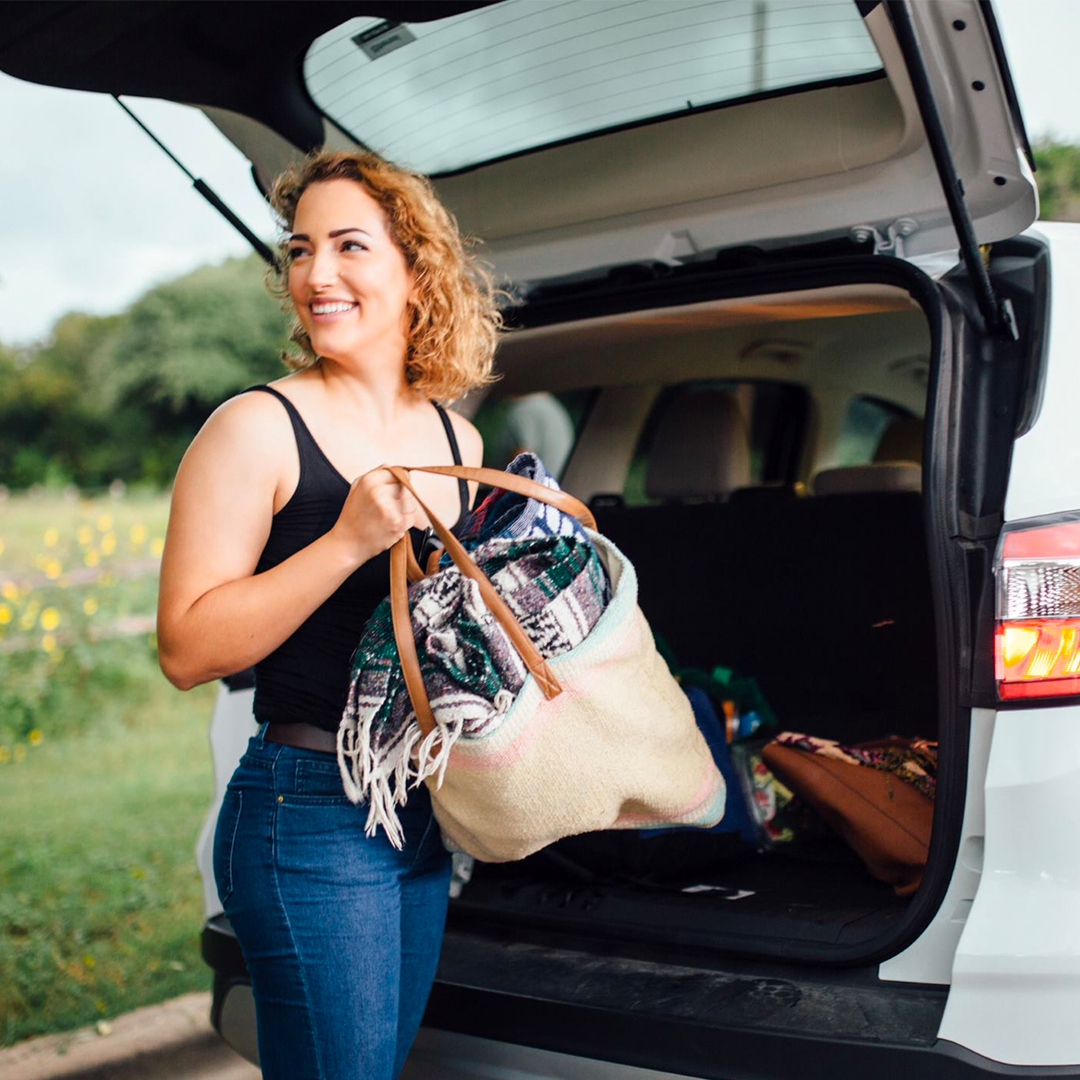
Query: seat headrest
864	479
701	449
902	440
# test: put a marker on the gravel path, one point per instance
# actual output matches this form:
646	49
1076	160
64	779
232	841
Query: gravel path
171	1041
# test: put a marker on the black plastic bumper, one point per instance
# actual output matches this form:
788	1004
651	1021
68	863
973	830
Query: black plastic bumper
735	1024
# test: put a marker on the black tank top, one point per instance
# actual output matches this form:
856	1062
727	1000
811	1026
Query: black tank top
306	678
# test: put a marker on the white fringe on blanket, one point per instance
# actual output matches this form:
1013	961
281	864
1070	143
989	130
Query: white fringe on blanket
383	778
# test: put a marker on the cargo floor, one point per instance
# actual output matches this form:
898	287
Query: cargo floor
757	901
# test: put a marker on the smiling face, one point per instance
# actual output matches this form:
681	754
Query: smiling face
349	282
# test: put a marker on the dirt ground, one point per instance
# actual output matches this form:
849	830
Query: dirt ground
171	1041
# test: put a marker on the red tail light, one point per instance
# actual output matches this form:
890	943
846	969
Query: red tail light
1038	611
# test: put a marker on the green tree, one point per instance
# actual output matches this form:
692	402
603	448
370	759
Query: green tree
121	396
1058	177
190	343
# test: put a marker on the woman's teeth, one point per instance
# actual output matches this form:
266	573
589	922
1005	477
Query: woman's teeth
330	309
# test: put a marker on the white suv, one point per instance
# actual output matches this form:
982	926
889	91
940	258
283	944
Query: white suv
777	261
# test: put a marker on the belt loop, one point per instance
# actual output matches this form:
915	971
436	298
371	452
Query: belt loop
261	735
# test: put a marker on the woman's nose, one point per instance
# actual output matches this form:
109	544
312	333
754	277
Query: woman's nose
322	270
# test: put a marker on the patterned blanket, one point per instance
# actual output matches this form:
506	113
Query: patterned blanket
544	566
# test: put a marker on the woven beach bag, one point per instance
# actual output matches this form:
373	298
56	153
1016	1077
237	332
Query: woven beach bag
600	737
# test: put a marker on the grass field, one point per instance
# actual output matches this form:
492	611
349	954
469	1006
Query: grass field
133	523
105	774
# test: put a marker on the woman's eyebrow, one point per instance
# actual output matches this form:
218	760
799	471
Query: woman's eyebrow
336	232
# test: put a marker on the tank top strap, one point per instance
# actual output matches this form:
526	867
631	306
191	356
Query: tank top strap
309	451
463	486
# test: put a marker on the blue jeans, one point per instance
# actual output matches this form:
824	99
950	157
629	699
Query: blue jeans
341	932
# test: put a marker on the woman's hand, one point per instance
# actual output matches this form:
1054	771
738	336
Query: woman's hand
377	512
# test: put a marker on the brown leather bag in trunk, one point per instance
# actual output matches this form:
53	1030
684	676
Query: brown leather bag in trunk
884	819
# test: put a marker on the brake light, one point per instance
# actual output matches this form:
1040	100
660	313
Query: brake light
1037	644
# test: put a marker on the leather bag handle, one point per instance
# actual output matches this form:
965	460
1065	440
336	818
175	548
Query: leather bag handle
404	569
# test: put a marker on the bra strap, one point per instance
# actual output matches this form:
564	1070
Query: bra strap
463	487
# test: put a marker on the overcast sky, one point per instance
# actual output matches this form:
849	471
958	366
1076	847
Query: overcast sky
96	212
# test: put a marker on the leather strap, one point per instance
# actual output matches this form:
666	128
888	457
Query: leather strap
304	736
401	573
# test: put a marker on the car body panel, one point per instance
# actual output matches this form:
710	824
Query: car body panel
1042	478
232	723
1016	975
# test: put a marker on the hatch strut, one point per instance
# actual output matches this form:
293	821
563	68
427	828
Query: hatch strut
998	313
207	193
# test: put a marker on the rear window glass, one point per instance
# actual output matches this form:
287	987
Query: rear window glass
774	415
864	424
543	423
446	94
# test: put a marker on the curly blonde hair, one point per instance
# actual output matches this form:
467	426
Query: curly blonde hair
455	321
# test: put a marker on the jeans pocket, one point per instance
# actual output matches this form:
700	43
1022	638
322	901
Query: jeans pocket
225	841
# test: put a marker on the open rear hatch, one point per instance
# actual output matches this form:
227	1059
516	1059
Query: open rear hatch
568	138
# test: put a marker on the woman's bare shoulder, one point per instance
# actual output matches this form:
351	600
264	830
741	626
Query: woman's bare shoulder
256	420
244	440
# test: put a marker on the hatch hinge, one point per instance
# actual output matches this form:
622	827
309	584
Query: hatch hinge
997	313
889	243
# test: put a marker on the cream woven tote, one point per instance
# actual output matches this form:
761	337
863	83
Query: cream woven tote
601	737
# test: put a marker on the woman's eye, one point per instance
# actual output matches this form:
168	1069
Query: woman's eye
357	243
294	253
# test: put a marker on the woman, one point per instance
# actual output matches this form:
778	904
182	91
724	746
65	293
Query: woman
274	559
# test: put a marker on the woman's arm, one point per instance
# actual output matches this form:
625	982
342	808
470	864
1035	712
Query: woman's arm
215	615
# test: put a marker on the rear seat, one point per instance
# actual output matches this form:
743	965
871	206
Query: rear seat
825	601
897	464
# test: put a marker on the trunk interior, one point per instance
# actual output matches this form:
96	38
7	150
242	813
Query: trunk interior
756	458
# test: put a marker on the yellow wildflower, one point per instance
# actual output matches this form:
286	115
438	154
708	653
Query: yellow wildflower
50	619
108	543
53	569
157	546
48	642
104	523
92	558
51	537
90	606
18	753
35	737
56	656
88	961
5	614
138	533
9	590
85	535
